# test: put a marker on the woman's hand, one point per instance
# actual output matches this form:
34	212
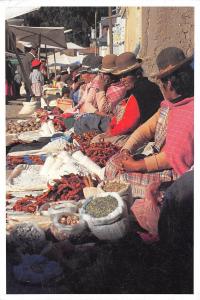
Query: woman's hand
127	164
102	83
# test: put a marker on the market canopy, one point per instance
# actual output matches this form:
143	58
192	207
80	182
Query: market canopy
53	36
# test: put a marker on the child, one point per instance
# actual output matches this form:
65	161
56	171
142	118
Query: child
37	79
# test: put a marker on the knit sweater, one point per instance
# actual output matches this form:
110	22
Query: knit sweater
177	152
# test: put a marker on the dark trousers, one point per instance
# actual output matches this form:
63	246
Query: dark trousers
91	122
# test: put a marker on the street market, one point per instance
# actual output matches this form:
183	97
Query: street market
98	186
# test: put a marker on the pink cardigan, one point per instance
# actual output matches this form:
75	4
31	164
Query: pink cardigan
179	146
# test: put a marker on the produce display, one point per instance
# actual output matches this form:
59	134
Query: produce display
101	206
100	152
69	187
113	186
12	161
68	220
84	139
17	127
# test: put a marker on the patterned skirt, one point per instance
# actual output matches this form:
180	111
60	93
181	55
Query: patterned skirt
37	89
138	180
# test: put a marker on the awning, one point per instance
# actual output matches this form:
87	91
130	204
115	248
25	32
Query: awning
52	36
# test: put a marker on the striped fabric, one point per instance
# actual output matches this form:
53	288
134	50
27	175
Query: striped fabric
139	181
161	129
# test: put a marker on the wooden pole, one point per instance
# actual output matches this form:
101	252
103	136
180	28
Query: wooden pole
39	44
47	61
54	54
110	30
95	32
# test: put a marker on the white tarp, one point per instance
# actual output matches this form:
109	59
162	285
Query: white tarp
64	59
53	36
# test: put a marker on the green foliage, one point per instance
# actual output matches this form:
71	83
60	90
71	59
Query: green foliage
79	19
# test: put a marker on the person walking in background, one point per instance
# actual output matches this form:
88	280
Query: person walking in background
17	82
37	79
27	60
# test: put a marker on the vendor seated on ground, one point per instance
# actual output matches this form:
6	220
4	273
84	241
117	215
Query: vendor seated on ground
171	128
105	90
141	101
65	103
59	84
81	77
52	77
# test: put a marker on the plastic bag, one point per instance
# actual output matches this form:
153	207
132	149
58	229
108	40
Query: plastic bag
44	171
125	193
62	207
62	232
45	130
113	231
26	178
29	108
29	236
115	215
146	210
55	146
36	269
51	126
89	164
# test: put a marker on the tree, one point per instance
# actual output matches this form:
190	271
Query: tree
79	19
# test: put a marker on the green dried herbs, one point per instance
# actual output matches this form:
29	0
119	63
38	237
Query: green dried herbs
113	186
101	206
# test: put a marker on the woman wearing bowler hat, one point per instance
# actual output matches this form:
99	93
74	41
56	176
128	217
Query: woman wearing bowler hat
141	100
171	128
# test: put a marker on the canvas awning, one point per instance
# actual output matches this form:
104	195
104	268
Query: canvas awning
52	36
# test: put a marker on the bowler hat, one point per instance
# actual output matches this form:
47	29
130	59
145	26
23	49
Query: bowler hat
35	63
169	60
91	63
108	63
126	62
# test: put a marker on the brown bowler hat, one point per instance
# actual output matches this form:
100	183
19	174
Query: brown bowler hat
126	62
108	63
169	60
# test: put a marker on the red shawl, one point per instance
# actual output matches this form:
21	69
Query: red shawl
179	145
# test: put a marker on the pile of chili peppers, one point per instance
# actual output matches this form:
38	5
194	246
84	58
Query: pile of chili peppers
69	187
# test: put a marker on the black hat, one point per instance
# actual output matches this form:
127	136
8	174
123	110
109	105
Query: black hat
91	63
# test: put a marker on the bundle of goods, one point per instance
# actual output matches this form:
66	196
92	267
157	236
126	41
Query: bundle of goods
17	127
100	152
69	187
29	107
64	104
106	215
26	178
122	188
66	225
53	208
13	161
37	269
40	112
